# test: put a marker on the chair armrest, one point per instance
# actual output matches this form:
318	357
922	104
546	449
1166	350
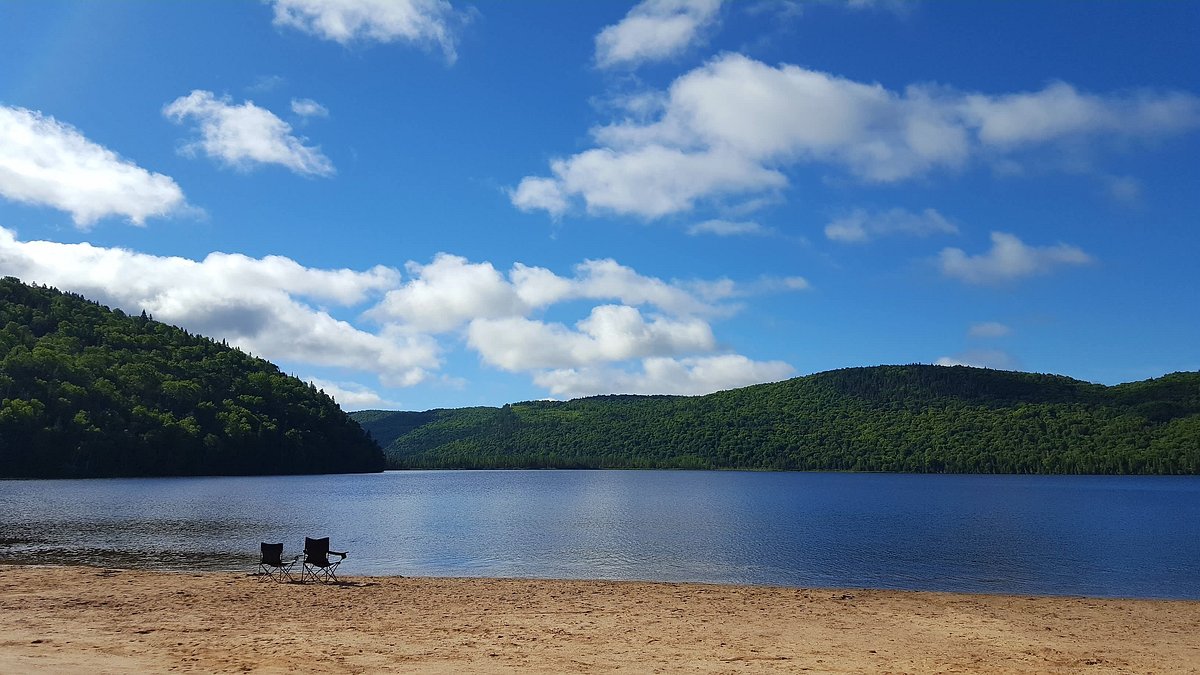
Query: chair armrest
341	553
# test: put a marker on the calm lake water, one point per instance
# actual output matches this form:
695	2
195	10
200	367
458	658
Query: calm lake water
1086	535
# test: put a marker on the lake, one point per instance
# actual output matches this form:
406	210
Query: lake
1120	536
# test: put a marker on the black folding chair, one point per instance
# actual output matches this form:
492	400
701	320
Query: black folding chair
317	565
272	565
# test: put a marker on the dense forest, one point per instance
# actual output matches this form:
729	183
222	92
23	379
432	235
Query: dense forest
87	391
917	418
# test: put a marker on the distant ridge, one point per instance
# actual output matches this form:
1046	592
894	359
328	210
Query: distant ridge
914	418
86	391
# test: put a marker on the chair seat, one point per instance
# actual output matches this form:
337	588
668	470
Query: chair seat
273	565
317	565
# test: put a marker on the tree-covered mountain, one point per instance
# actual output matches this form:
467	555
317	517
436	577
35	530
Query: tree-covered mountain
888	418
88	391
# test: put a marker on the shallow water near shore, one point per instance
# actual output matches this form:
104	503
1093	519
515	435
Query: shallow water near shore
1119	536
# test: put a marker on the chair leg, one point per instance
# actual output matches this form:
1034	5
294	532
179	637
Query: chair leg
320	575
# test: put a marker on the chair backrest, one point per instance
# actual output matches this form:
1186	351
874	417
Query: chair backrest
316	551
272	554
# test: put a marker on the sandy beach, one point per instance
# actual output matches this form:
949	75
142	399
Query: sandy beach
81	619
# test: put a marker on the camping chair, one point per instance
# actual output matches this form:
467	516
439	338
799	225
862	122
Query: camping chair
272	565
317	565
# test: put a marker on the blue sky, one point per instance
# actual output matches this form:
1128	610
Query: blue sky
420	203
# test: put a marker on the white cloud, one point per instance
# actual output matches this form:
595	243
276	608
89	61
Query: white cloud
728	228
988	329
664	375
540	194
1009	259
1060	111
638	104
306	107
539	287
610	333
608	279
732	126
245	135
353	396
255	304
447	293
421	22
46	162
655	30
493	312
451	291
726	289
980	358
649	181
861	226
278	309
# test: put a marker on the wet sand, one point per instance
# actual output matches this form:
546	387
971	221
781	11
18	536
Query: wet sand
89	620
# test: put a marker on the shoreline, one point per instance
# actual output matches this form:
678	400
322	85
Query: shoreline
241	571
91	619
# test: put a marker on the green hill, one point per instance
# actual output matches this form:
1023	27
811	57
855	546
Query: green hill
915	418
87	391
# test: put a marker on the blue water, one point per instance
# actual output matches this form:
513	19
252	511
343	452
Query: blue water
1077	535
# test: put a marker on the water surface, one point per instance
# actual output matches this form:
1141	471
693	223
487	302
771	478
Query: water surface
1085	535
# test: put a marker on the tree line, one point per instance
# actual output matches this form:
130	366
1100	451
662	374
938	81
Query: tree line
915	418
87	391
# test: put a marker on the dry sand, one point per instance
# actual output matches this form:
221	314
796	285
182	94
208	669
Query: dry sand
80	619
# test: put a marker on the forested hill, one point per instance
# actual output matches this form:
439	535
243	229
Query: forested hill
887	418
87	391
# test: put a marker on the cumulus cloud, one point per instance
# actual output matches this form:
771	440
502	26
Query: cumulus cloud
610	333
650	181
306	107
243	136
50	163
727	228
540	194
603	279
654	320
353	396
665	375
988	329
730	128
655	30
451	291
256	304
1009	259
1060	110
429	23
861	226
279	309
447	293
